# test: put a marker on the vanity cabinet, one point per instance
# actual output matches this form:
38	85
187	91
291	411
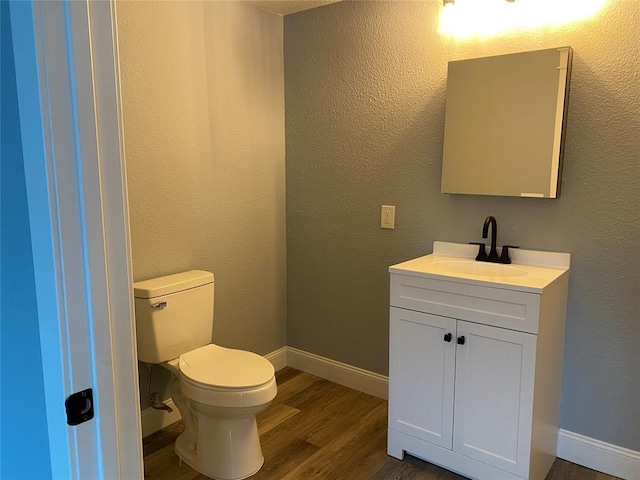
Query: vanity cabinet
475	371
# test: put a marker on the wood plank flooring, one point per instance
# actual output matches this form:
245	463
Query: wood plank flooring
316	429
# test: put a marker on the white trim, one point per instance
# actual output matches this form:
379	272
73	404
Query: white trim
154	420
92	207
278	358
597	455
338	372
117	250
588	452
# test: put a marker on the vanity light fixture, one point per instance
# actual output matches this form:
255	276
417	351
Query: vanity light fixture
488	18
453	2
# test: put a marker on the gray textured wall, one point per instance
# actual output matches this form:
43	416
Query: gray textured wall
365	92
203	102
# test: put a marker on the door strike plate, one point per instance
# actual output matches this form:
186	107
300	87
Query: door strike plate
79	407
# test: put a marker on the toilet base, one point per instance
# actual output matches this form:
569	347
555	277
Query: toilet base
227	448
220	442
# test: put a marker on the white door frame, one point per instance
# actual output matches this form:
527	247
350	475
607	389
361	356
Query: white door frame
71	125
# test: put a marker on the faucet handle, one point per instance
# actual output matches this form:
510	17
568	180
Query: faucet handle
482	253
504	256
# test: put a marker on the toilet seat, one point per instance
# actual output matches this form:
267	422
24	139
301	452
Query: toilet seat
224	377
218	368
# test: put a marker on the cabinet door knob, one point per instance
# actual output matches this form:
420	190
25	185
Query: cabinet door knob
461	340
447	337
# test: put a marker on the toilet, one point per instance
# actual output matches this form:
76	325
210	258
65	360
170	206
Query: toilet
218	391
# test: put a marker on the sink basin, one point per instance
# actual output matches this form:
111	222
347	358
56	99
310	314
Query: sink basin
479	269
532	271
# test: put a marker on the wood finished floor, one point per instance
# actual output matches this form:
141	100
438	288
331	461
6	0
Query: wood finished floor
316	429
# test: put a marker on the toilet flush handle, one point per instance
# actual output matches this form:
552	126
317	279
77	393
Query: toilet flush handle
159	305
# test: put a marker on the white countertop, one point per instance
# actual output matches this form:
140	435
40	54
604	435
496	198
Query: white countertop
530	270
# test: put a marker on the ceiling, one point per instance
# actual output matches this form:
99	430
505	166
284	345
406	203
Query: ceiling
285	7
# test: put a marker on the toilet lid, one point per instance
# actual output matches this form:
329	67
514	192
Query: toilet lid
215	366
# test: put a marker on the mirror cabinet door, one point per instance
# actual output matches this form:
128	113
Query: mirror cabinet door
504	124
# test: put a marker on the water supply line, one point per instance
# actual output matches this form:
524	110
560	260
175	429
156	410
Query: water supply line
154	398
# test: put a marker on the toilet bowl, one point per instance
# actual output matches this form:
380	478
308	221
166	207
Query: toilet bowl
222	390
218	391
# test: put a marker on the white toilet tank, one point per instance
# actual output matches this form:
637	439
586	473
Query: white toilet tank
174	315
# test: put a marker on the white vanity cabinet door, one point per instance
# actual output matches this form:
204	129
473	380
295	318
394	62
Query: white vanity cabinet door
493	396
421	375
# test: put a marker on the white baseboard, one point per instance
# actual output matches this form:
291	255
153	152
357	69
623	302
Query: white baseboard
338	372
597	455
154	420
278	358
578	449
